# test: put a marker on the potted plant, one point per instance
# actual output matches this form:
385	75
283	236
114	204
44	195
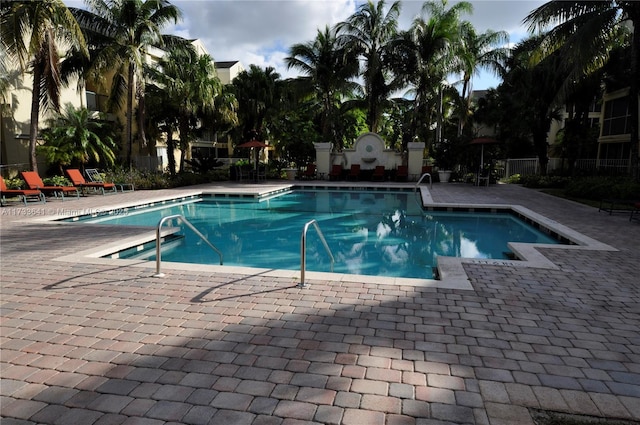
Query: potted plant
445	160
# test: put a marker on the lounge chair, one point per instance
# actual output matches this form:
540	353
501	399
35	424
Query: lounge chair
354	173
378	173
94	176
34	182
402	174
336	172
78	181
310	172
23	194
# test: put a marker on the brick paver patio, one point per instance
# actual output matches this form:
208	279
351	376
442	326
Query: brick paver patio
107	343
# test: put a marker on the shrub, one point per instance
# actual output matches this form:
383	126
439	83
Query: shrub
544	182
514	179
141	179
15	183
56	181
597	188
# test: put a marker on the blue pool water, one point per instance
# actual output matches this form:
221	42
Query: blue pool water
369	233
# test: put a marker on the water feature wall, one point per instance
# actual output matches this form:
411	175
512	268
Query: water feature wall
369	151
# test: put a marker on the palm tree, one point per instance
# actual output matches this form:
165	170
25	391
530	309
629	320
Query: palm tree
372	33
477	51
73	137
531	91
191	85
328	69
162	118
32	32
429	50
258	92
125	30
588	31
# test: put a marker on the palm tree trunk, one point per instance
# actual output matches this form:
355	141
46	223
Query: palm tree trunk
130	84
35	114
141	125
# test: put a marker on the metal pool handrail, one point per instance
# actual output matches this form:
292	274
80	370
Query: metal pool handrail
303	249
190	226
415	188
422	178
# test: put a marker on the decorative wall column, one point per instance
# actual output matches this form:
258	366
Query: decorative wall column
323	158
414	160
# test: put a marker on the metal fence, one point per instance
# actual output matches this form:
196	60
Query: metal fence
150	163
528	166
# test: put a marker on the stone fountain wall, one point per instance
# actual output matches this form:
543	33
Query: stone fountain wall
369	151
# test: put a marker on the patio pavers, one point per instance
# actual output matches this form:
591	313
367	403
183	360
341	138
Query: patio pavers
107	343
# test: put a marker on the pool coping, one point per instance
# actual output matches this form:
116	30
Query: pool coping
451	271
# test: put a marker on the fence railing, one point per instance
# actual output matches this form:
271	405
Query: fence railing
150	163
527	166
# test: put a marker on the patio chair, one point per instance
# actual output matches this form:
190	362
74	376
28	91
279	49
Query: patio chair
378	173
354	172
402	174
23	194
34	182
78	181
310	172
94	176
336	172
262	172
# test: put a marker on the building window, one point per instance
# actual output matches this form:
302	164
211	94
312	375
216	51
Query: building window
616	118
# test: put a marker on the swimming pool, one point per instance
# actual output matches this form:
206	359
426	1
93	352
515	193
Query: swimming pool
378	233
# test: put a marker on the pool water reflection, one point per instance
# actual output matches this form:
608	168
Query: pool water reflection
369	233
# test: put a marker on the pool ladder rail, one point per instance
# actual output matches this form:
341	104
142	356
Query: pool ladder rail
422	177
303	249
415	188
190	226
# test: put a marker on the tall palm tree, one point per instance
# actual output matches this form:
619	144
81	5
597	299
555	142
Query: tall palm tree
588	31
224	116
478	51
32	32
192	86
531	90
328	69
429	49
372	30
258	92
125	30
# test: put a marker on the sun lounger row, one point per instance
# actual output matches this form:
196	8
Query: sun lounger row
37	190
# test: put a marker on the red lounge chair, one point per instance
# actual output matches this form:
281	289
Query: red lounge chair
310	172
19	193
79	182
354	173
35	183
378	173
336	172
403	173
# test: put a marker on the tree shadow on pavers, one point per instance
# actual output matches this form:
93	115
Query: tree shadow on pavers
143	274
201	297
542	417
331	353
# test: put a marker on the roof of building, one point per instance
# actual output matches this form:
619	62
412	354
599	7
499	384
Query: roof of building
225	64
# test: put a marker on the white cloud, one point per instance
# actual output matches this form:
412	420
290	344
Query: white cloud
260	32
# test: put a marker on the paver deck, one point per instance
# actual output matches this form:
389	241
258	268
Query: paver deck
85	343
